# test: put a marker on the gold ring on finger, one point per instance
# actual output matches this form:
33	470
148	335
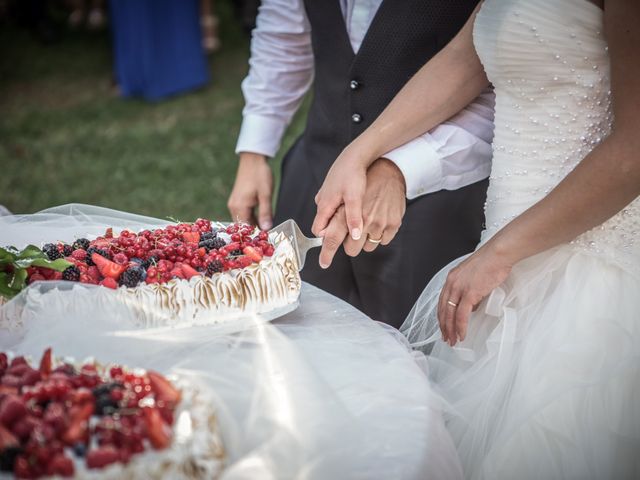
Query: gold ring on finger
374	240
453	304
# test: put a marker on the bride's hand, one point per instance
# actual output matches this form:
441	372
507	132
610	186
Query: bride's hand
466	286
344	184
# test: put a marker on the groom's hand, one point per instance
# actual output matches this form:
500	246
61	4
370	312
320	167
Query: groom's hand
384	205
252	189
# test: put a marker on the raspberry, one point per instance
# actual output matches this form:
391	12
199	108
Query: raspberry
120	259
79	254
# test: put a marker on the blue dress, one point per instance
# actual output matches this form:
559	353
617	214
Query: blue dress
157	47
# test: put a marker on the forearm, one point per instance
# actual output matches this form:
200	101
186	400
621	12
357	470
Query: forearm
605	182
281	71
441	88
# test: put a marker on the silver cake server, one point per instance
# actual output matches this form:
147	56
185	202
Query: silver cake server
301	244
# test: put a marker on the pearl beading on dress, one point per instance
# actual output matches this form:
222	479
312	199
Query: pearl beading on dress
553	108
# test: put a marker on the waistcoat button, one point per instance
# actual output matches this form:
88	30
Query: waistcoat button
356	118
354	85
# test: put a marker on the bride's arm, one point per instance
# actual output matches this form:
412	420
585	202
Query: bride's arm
606	181
445	85
450	81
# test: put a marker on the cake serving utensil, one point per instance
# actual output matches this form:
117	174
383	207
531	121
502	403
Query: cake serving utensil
301	243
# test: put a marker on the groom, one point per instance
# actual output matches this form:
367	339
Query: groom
361	53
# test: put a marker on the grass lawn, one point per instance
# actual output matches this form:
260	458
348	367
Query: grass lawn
64	137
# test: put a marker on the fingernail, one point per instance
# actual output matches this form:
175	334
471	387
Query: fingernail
324	266
356	234
265	225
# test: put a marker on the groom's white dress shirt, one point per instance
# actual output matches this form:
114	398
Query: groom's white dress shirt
452	155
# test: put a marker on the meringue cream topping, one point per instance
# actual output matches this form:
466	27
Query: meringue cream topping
261	287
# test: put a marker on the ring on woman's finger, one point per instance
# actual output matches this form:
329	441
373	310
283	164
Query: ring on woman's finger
453	304
374	240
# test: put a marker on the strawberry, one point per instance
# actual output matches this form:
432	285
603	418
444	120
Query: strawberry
243	261
106	267
61	465
36	277
30	377
11	409
77	430
102	456
45	362
157	431
109	283
201	252
22	468
191	237
7	439
253	253
177	272
163	388
189	271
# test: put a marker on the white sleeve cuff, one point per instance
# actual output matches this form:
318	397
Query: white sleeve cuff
260	134
420	165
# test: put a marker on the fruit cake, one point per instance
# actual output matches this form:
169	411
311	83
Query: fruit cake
103	422
199	273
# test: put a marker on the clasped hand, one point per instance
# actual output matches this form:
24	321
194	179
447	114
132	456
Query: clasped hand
357	203
383	205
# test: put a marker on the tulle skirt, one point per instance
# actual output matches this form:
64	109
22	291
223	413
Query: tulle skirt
547	383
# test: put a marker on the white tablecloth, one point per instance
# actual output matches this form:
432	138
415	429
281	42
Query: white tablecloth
323	392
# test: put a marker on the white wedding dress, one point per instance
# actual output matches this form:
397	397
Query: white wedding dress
547	383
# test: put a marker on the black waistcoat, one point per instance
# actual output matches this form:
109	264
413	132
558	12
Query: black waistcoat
351	90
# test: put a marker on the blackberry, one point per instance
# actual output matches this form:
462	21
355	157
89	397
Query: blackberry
51	251
152	260
99	251
80	449
8	457
211	244
106	388
236	253
71	273
105	405
207	236
67	250
131	277
214	267
81	243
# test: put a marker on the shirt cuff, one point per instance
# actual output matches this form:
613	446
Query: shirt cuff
420	165
260	134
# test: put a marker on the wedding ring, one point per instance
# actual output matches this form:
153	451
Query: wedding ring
373	240
453	304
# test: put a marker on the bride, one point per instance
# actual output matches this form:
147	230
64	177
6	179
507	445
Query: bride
537	333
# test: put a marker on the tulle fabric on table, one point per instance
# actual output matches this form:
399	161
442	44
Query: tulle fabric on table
321	393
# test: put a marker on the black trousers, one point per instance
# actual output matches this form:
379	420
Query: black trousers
384	284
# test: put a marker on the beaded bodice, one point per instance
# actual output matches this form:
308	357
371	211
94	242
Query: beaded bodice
548	62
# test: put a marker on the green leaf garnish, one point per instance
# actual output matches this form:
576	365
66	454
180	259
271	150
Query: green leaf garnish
14	264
